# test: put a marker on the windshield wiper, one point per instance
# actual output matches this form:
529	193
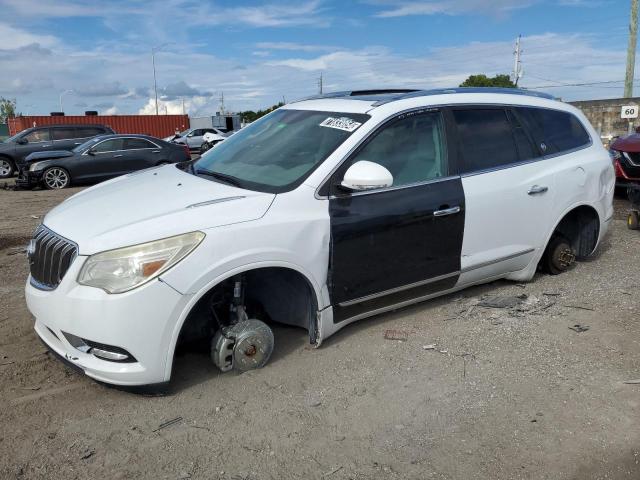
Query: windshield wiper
219	176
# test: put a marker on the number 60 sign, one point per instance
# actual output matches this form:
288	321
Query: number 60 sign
629	111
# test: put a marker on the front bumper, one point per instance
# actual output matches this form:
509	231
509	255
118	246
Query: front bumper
141	321
27	179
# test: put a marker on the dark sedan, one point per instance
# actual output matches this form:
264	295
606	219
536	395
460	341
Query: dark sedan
98	159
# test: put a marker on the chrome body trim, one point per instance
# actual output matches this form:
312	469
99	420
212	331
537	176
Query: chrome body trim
497	260
398	289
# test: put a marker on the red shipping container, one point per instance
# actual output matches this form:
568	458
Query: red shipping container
155	125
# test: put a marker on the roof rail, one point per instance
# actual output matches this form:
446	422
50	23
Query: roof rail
394	94
449	91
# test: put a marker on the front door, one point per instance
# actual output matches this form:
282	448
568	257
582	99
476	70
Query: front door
38	140
107	159
396	244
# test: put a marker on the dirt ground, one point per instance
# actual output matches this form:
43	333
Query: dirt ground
507	393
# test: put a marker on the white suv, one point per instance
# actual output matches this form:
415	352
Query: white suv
324	212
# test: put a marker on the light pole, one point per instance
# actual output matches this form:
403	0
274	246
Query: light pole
153	62
62	95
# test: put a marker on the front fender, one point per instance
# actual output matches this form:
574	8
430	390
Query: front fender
209	282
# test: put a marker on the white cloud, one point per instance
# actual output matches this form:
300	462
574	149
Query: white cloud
294	47
13	38
393	8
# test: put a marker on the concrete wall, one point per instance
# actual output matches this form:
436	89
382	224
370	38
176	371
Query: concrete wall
604	115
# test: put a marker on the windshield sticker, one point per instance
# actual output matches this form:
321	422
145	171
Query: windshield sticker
342	123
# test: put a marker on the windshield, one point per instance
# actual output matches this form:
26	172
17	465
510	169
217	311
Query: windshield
86	145
14	138
277	152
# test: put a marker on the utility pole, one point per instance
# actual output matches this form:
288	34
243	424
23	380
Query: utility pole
517	64
320	83
222	103
153	62
631	50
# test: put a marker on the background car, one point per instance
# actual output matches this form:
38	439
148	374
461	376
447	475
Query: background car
625	154
194	138
14	150
98	159
210	139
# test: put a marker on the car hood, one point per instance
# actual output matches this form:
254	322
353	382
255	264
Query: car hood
629	143
149	205
35	156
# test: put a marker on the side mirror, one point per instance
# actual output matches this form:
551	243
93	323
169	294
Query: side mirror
91	152
22	141
365	175
191	134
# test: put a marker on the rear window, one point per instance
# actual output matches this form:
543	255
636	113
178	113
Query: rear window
137	143
554	131
485	138
64	133
86	132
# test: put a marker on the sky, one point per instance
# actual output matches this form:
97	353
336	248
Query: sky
98	55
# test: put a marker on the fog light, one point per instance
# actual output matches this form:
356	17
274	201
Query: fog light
106	355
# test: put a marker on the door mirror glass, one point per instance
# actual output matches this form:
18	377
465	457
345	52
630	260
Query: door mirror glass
22	141
365	175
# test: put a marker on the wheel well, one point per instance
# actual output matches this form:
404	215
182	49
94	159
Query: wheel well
272	294
581	227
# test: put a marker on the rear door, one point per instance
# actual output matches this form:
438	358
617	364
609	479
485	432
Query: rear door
141	153
508	188
65	138
396	244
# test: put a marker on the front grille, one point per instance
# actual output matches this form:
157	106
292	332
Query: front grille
50	256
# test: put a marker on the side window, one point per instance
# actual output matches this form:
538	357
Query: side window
553	130
486	139
63	133
526	149
38	136
108	146
87	132
412	148
137	143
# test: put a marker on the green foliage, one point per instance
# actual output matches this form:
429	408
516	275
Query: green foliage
482	80
251	116
7	109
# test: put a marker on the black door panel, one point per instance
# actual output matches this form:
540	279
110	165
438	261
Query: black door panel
387	240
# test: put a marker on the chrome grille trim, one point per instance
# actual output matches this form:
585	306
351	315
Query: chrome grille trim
51	258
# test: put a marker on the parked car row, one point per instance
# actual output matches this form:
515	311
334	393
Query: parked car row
100	158
14	150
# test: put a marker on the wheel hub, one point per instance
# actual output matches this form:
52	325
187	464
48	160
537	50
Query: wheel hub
565	257
5	168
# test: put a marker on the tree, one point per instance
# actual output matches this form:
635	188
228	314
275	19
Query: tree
251	116
482	80
7	109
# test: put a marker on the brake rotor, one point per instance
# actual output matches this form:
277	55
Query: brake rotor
253	344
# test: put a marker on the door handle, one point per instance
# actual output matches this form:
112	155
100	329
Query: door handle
155	151
446	211
536	189
78	143
116	156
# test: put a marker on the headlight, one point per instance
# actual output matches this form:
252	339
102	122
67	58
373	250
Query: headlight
36	166
124	269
